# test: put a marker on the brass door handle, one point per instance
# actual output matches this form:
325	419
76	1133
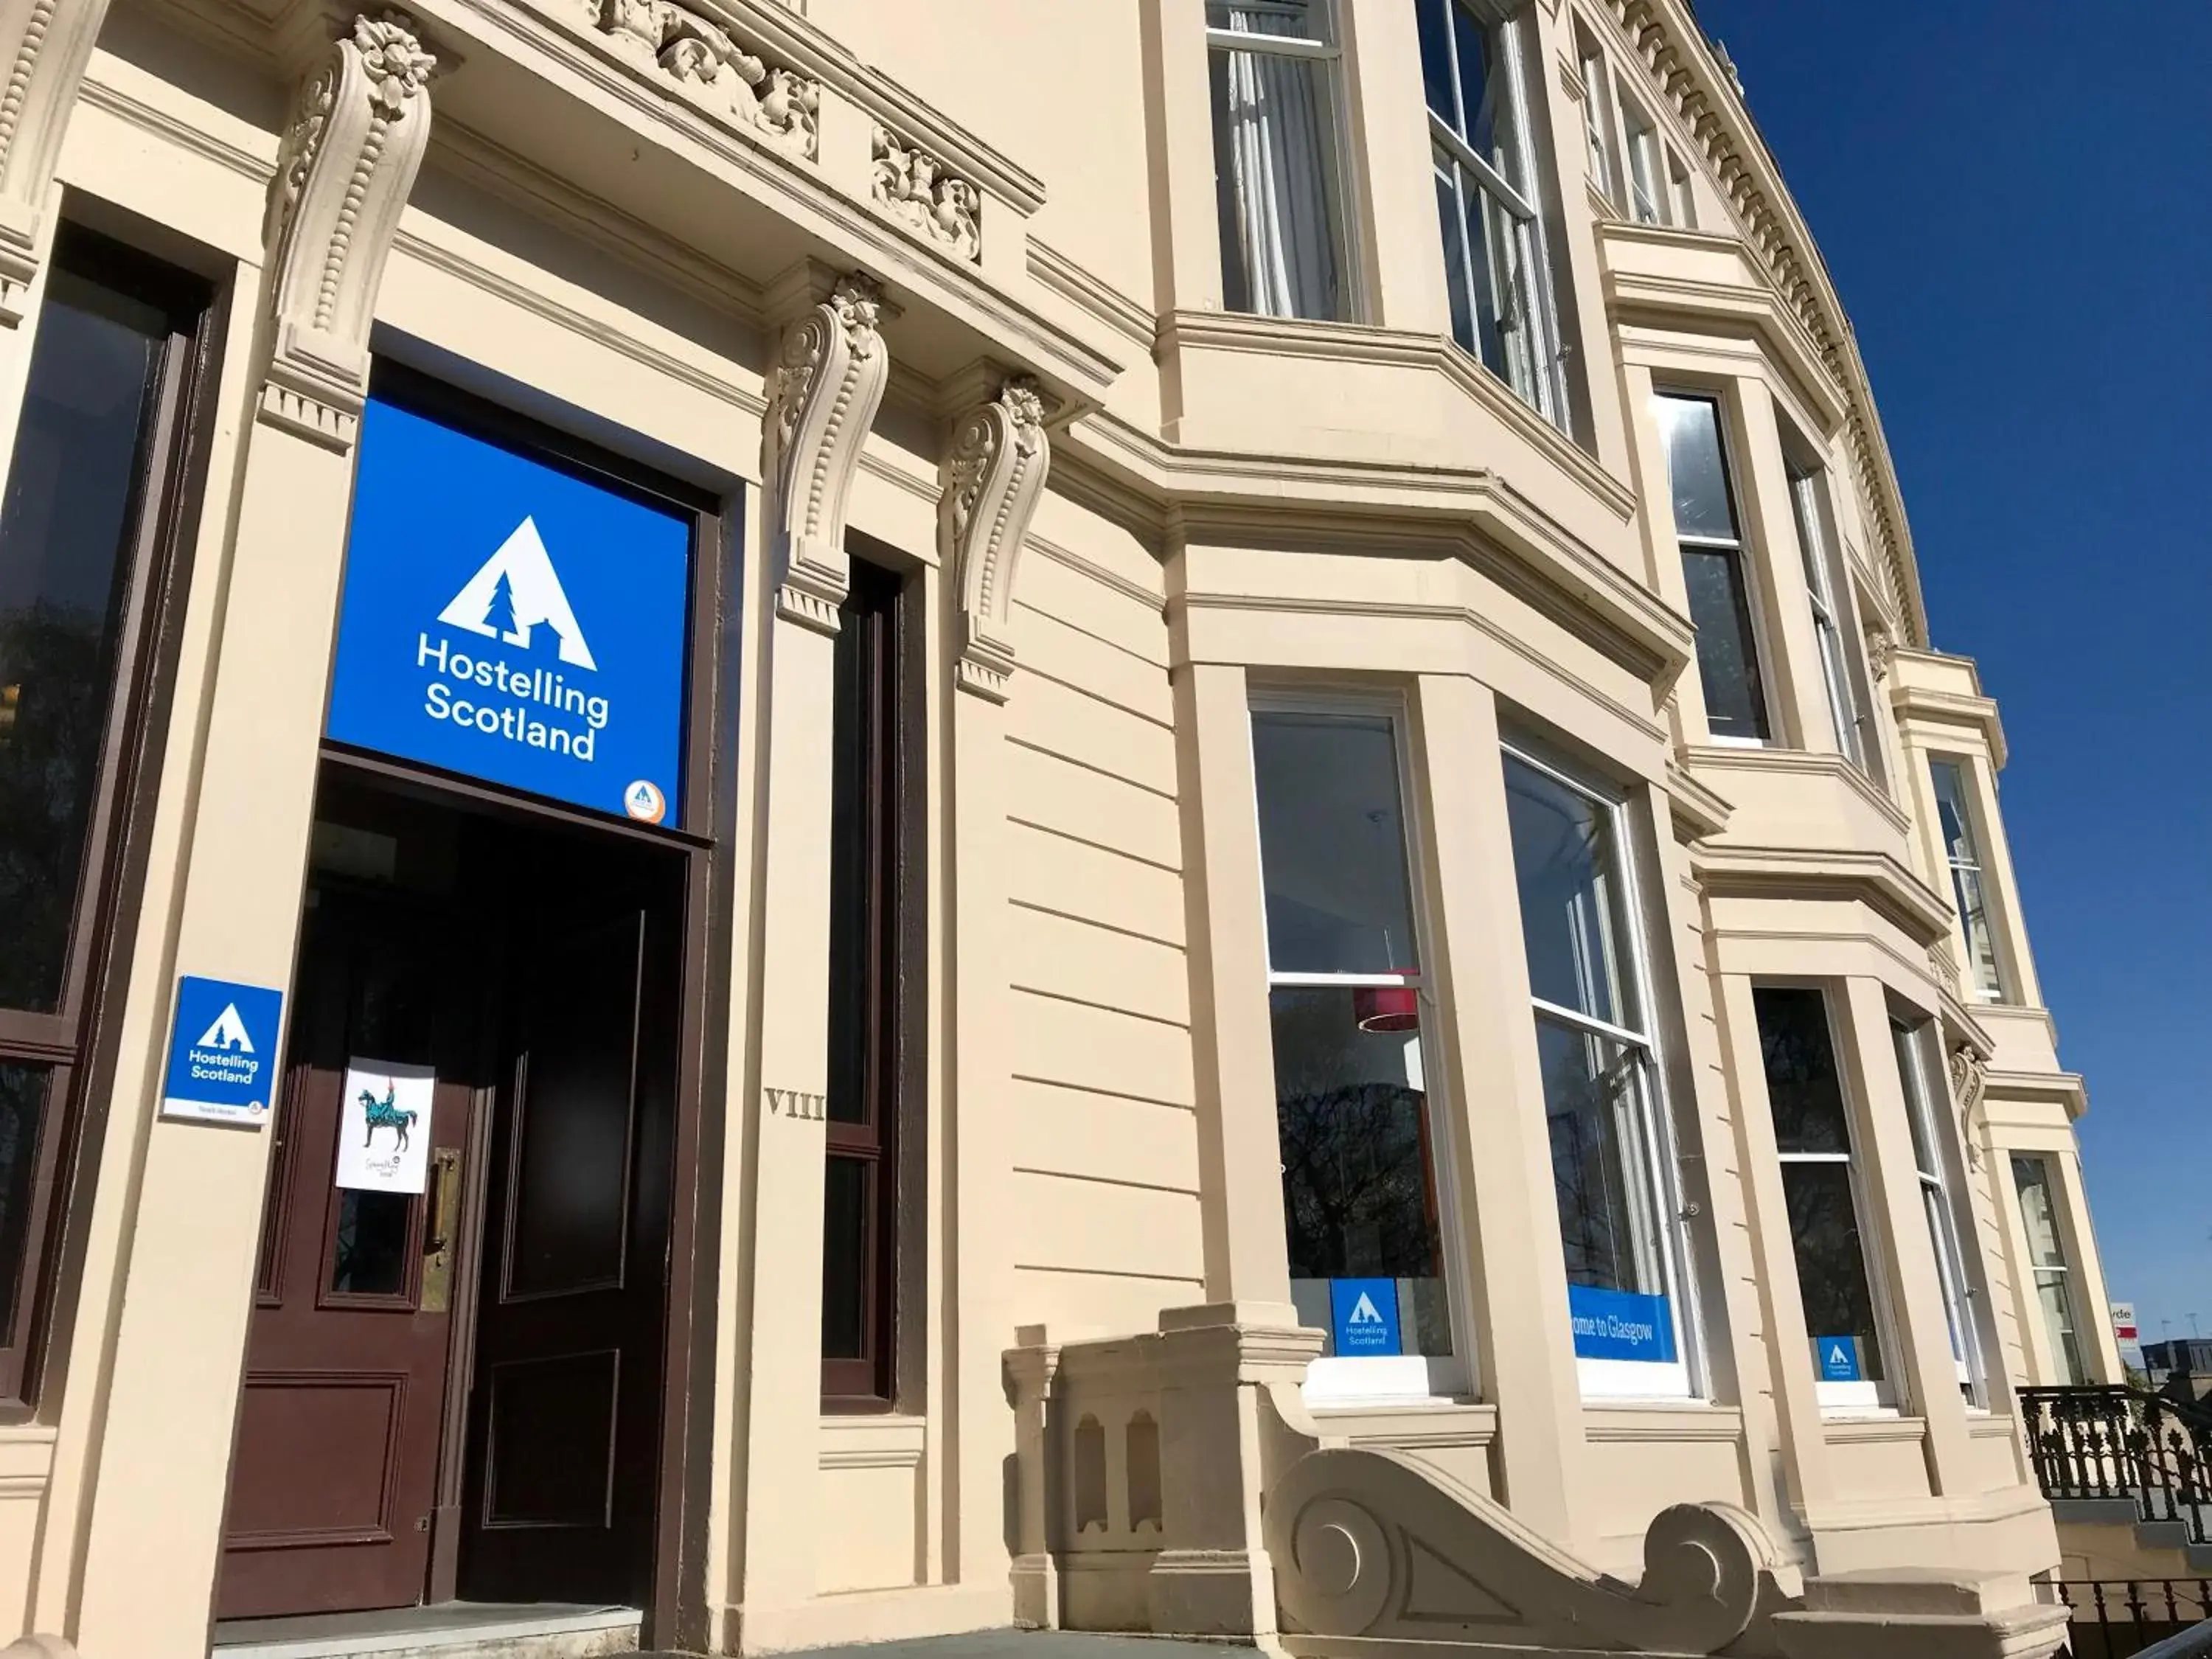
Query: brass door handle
445	1212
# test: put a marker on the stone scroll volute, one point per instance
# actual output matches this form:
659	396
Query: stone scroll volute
350	153
822	394
993	476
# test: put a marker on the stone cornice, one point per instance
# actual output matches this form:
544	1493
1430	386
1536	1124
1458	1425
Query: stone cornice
1805	762
1881	881
1665	37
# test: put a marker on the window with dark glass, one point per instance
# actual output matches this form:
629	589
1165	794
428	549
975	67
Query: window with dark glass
1481	142
868	1069
1820	1185
89	517
1346	987
1713	566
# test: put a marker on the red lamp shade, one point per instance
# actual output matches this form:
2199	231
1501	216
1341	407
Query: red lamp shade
1387	1007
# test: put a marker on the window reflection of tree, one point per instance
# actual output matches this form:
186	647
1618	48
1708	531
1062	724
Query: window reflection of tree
1355	1186
1586	1097
53	681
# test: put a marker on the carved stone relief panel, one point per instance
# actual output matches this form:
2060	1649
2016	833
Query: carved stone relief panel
915	189
780	103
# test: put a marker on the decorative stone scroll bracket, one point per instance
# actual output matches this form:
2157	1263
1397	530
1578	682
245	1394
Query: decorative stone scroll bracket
993	476
1970	1077
822	394
348	161
1369	1543
778	104
46	45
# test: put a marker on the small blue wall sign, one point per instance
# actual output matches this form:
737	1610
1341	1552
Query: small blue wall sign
1365	1315
511	622
1839	1357
222	1052
1620	1325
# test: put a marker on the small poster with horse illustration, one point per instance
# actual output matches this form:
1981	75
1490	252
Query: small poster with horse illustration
384	1127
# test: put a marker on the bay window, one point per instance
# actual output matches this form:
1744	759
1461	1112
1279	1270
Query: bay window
1348	998
1820	1187
1714	567
1955	819
1278	188
1473	71
1609	1168
2047	1261
1932	1164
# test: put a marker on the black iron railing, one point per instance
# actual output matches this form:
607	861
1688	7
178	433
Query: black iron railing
2119	1443
2121	1618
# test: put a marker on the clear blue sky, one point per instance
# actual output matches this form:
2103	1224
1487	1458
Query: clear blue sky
2015	201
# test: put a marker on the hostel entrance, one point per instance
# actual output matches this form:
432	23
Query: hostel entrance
458	1365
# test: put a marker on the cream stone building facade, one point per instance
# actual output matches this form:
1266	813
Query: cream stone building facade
1011	721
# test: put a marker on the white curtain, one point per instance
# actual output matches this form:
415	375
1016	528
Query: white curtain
1278	197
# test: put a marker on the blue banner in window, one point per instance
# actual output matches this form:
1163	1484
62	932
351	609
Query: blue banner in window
1620	1325
1838	1358
1364	1314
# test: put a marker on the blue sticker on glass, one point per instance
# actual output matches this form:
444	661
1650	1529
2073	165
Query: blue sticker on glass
1839	1357
1620	1325
506	620
222	1052
1363	1313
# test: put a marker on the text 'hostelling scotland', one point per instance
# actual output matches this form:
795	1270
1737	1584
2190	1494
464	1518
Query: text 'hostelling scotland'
532	692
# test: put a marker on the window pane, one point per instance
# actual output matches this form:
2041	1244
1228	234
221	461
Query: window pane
2046	1246
1955	819
1690	428
1275	177
1802	1082
23	1120
64	558
2059	1321
1457	279
369	1256
1332	844
1951	815
1567	868
1298	19
1359	1197
1727	649
1481	85
1919	1114
1831	1269
1435	25
1479	305
1593	1108
845	1257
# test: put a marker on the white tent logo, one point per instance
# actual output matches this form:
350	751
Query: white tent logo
513	593
229	1031
1837	1356
1363	1312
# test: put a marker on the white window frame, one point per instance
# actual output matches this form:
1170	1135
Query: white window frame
1754	594
1682	192
1939	1198
1970	807
1808	508
1861	1398
1537	330
1629	1379
1335	1380
1330	51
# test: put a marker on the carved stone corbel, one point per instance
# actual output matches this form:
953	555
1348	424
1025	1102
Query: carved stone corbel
348	161
46	45
993	475
1970	1077
823	395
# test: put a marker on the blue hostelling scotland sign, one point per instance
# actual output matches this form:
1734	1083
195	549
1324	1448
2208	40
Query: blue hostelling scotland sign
509	621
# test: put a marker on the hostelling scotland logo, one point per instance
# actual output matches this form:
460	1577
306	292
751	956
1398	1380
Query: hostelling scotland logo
513	620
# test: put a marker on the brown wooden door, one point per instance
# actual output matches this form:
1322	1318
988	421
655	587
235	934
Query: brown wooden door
564	1452
334	1478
